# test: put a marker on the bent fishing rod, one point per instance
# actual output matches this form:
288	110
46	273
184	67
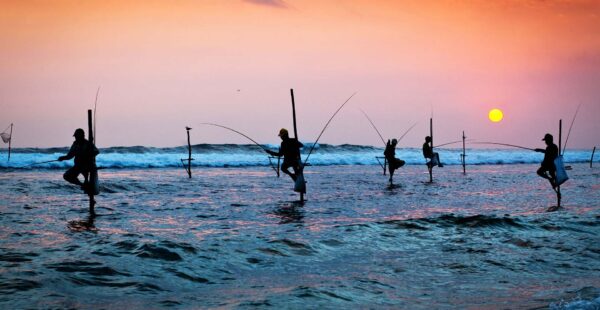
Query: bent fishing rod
373	125
382	139
571	127
243	135
505	144
327	124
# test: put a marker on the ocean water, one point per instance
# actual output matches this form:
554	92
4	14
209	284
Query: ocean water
234	155
237	237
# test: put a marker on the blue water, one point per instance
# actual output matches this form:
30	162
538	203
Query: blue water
233	155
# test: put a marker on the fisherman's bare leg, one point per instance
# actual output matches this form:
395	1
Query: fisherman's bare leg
71	176
284	168
551	178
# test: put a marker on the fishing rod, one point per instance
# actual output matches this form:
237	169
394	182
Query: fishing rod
407	131
570	127
373	125
382	139
245	136
231	129
505	144
453	142
95	104
39	163
327	124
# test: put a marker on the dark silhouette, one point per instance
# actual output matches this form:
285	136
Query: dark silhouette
84	153
428	153
548	169
390	155
290	150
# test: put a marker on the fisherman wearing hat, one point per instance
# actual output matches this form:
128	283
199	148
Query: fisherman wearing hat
290	150
548	170
84	152
390	155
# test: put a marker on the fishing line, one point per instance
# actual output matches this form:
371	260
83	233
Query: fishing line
327	124
571	127
39	163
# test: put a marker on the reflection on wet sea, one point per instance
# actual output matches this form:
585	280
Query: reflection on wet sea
238	237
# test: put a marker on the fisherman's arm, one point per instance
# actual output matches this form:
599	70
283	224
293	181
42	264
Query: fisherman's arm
69	155
540	150
272	153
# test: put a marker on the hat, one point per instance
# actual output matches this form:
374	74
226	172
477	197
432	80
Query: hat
394	141
79	131
283	132
548	137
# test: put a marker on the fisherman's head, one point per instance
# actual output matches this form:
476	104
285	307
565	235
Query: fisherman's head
394	142
283	133
79	134
548	138
428	139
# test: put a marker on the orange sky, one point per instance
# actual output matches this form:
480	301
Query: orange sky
163	65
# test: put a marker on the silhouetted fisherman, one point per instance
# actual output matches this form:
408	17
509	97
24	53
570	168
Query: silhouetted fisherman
548	169
84	153
428	153
290	150
390	155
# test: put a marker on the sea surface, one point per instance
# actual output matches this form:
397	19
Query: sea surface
236	236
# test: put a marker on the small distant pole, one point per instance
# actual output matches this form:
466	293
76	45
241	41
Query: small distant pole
431	135
91	182
592	158
10	140
189	168
464	155
296	134
558	196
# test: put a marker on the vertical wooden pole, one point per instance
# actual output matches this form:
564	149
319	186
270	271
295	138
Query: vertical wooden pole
189	169
558	196
464	161
10	140
384	164
296	134
592	158
431	136
91	180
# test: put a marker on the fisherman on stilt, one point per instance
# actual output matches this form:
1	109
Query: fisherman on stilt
429	154
84	153
548	169
290	150
390	155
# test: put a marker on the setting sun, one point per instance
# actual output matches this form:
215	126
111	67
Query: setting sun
495	115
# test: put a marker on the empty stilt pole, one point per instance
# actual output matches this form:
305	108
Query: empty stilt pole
592	158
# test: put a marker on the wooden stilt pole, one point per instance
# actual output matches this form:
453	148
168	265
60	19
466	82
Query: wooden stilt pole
464	162
592	158
189	169
296	135
91	175
558	196
431	136
10	140
384	164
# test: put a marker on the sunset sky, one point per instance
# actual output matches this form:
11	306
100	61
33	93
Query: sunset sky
164	65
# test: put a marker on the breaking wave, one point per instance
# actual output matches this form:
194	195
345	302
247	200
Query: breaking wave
249	155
